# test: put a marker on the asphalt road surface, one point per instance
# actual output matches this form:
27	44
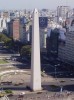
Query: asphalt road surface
42	96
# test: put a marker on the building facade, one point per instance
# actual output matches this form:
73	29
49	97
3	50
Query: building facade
52	43
62	13
17	30
66	52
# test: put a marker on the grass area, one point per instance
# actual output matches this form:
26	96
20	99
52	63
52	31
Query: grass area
8	91
2	61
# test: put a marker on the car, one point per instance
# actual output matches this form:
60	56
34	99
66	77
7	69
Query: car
16	84
9	95
21	95
72	79
62	81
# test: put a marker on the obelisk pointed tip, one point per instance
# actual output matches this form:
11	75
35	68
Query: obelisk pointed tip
35	10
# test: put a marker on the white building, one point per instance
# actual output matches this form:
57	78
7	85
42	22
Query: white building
62	12
3	23
53	25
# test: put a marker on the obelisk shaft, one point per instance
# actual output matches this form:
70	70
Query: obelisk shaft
35	54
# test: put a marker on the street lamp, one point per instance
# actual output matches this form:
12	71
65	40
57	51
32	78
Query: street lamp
61	86
55	68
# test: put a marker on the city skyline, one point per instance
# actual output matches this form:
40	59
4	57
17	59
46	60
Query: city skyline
28	4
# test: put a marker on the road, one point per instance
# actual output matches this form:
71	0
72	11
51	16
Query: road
63	73
67	83
42	96
48	66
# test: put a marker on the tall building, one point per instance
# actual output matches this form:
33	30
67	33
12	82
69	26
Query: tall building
23	33
3	24
62	13
55	37
43	35
66	52
17	30
52	43
5	14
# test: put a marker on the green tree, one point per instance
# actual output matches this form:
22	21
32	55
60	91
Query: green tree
7	41
8	91
26	51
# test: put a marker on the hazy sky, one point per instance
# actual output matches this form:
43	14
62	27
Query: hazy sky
30	4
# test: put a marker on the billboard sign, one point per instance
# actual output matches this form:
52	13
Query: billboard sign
43	22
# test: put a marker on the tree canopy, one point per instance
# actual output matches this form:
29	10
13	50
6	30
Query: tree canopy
26	50
5	39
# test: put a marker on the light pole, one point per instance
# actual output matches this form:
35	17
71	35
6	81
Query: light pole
56	68
61	86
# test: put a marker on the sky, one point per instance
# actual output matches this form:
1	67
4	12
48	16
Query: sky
31	4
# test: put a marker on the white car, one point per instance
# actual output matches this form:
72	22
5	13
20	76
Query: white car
22	93
72	79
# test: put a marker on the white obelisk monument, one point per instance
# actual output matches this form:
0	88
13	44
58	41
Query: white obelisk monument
35	54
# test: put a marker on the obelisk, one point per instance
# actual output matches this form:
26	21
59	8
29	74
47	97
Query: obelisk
35	84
